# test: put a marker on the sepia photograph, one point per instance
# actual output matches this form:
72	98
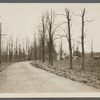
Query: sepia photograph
49	50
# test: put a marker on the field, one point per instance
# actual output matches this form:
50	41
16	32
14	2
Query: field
90	75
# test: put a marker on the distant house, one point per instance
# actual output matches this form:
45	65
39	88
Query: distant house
77	53
75	57
64	57
96	56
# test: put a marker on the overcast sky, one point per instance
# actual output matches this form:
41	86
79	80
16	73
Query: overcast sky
21	20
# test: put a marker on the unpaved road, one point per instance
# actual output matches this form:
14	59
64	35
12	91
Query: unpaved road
24	78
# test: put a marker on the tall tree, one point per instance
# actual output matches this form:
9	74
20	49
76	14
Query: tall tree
68	17
10	49
40	50
42	31
0	41
23	52
16	51
92	49
51	28
35	48
27	49
82	37
7	52
67	32
61	49
50	22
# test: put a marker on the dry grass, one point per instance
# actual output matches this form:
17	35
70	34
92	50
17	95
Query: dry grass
90	75
3	73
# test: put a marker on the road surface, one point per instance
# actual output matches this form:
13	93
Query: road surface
25	78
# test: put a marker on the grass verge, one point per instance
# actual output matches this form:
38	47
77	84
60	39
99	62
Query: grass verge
61	68
3	73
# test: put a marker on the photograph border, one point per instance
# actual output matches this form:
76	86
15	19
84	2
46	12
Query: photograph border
91	96
49	1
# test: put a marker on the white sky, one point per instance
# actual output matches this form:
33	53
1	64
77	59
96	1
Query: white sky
21	20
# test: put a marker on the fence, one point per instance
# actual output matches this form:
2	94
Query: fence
91	65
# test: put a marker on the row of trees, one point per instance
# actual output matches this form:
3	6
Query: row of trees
51	28
43	47
14	51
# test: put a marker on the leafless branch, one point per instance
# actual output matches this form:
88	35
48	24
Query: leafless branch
61	14
78	15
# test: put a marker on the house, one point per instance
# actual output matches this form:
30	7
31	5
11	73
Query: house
75	57
96	56
64	57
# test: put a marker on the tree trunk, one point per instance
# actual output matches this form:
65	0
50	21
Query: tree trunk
70	45
82	39
61	50
50	51
92	49
0	42
43	50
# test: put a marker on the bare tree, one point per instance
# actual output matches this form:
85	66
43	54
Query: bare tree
82	37
20	52
42	31
68	17
23	52
16	51
40	50
51	28
0	42
92	49
50	22
4	53
27	49
10	49
61	50
7	52
35	48
67	32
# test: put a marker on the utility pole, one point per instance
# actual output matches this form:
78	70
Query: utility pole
0	41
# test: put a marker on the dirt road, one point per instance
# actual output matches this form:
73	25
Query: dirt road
24	78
